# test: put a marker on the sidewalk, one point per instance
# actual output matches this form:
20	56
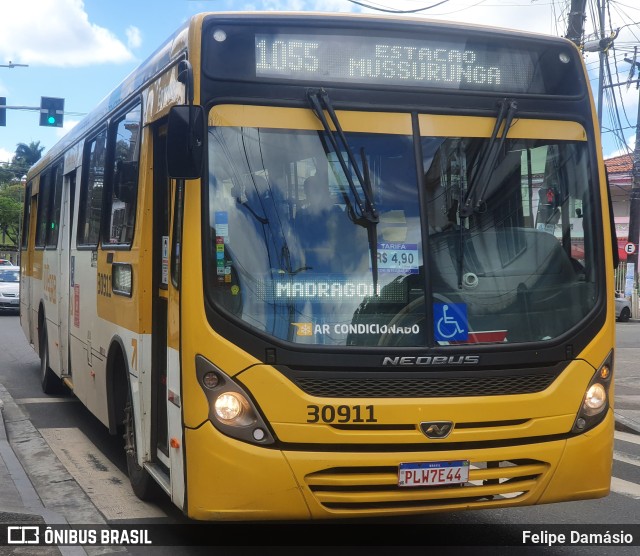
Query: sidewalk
628	420
40	490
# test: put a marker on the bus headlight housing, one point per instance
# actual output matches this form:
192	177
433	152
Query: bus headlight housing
595	402
231	410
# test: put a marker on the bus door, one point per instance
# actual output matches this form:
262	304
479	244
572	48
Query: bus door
166	410
160	302
66	275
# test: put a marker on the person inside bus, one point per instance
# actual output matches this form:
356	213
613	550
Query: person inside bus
323	226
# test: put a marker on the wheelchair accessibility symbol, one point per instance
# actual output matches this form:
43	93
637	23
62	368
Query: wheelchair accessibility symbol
450	322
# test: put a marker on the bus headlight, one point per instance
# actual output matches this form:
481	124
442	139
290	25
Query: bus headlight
231	409
596	399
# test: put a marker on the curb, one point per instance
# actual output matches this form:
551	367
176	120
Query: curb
624	424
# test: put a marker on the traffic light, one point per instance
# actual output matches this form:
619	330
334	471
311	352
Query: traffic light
51	111
3	111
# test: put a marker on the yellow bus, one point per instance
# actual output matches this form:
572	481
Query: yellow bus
318	266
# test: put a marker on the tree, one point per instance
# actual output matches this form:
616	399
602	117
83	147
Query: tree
25	156
10	212
12	190
8	174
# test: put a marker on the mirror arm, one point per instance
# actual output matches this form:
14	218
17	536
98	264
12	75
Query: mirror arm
185	75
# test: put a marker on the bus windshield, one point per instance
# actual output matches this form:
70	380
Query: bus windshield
287	256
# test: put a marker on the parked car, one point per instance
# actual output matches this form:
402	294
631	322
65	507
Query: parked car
623	308
10	289
5	262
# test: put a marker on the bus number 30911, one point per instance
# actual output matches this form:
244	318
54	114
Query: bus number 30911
340	414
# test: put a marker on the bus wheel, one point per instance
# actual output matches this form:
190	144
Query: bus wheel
143	485
49	381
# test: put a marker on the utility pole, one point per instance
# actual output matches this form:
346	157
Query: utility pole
575	30
575	24
603	55
634	199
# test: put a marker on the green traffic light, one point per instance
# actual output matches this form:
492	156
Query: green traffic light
51	111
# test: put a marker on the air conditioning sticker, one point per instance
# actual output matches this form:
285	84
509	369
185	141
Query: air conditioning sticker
337	329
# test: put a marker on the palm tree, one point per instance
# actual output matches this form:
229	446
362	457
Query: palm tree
28	155
25	156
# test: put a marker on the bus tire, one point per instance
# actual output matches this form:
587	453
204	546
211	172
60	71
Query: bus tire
143	484
50	382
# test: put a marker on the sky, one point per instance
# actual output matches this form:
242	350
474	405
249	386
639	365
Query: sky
80	50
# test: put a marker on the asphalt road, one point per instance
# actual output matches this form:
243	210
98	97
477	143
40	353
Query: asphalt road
62	486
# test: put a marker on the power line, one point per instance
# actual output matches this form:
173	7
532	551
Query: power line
387	10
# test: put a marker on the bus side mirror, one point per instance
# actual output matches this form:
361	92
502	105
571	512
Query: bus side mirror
185	142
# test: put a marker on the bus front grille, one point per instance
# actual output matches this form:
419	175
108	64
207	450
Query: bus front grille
425	387
376	488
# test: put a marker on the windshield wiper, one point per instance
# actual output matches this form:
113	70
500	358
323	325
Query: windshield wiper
489	158
482	171
364	213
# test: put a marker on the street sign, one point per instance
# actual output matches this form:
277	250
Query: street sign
630	248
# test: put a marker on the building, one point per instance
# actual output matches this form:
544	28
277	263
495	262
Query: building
619	170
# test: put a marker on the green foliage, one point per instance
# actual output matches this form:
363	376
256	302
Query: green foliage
28	155
10	212
25	156
12	190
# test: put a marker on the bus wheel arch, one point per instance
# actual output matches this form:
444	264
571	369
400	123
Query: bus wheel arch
49	381
117	381
121	418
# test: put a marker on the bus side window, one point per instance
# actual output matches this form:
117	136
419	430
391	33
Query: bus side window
91	189
55	201
121	203
41	215
26	217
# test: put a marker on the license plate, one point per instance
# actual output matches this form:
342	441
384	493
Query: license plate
431	473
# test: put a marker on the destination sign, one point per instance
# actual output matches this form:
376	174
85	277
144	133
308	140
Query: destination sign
449	64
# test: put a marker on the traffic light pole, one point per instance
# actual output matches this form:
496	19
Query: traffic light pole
51	111
34	108
4	108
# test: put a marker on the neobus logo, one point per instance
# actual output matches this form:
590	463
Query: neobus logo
427	360
436	429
